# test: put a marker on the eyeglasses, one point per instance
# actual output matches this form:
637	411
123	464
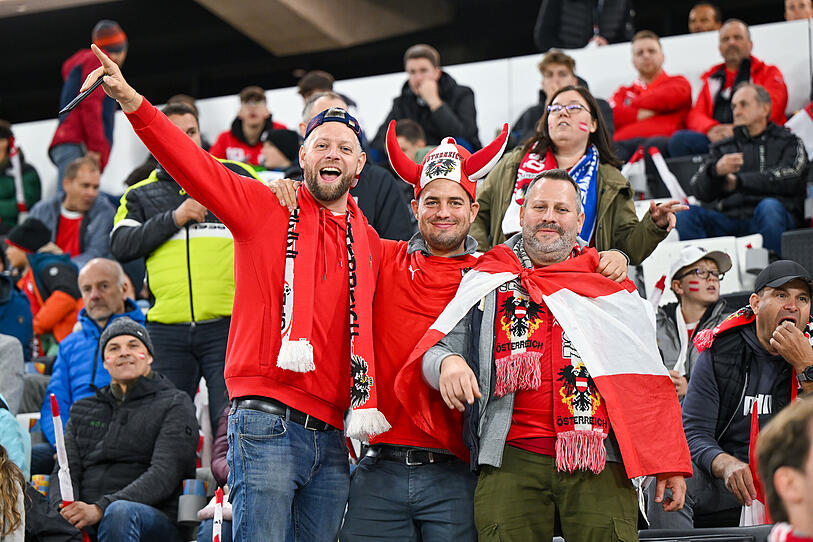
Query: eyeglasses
703	274
571	109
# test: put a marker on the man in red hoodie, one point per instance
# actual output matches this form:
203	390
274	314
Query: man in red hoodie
301	323
654	106
88	129
711	119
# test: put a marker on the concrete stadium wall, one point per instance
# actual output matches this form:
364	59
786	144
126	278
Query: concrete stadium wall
503	89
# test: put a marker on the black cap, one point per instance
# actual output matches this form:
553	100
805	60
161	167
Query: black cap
126	326
287	141
781	272
31	235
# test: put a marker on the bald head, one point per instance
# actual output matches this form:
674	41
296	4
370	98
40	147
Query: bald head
104	289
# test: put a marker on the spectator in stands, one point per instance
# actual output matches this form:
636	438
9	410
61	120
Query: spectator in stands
654	106
14	173
798	9
705	17
79	369
558	70
710	119
190	101
751	182
79	220
15	314
507	363
571	135
785	459
412	140
280	154
129	446
88	129
318	81
12	501
434	100
189	256
242	142
298	479
47	279
695	279
380	196
750	361
12	367
573	24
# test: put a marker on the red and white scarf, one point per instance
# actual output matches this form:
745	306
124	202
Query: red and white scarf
782	532
296	350
613	331
17	173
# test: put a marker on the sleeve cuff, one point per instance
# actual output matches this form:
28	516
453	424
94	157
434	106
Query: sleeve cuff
143	116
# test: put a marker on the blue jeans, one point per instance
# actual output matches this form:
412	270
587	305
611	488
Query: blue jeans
127	521
184	352
287	483
770	219
390	500
62	155
205	531
688	143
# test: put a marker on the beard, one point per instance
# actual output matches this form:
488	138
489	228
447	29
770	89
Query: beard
326	192
555	250
444	241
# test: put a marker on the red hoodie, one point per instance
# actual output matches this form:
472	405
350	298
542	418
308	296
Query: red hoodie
91	123
259	226
669	96
700	117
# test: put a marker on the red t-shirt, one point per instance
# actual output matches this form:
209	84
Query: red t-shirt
67	232
411	292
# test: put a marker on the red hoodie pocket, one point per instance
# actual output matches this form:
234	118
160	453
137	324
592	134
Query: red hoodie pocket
265	338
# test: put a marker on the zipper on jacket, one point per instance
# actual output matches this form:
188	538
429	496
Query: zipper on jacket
189	277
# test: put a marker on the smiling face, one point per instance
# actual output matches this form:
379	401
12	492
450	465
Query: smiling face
773	306
692	288
647	57
550	221
570	129
445	213
735	43
126	359
331	158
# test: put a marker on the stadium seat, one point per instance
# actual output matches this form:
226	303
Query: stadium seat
797	245
726	534
684	168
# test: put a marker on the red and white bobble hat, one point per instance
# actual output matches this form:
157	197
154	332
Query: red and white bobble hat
446	161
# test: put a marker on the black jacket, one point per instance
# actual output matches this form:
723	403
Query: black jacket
381	198
457	117
773	166
568	24
525	126
140	450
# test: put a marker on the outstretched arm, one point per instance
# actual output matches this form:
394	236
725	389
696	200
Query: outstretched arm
229	196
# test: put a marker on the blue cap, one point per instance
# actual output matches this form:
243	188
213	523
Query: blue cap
334	114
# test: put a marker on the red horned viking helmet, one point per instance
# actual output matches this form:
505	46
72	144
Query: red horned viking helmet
446	161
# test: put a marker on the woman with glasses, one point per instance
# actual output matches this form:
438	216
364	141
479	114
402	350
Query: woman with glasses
571	135
695	281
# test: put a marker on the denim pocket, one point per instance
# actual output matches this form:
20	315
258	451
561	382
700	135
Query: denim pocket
256	425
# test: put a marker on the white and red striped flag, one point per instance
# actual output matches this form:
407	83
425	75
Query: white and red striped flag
64	474
612	328
17	173
217	524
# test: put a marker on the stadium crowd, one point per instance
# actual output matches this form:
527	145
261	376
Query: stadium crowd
442	345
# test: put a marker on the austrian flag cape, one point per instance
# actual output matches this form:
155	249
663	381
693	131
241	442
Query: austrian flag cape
612	329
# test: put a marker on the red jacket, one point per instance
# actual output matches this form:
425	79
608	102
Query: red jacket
258	224
232	145
669	96
413	289
91	123
700	117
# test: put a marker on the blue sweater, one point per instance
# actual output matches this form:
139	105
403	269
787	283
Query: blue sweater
73	376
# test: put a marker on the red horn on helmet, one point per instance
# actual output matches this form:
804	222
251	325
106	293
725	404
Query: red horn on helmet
403	166
480	163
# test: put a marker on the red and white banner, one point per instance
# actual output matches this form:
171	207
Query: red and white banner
612	328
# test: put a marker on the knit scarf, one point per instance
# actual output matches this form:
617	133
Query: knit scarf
584	172
579	414
298	305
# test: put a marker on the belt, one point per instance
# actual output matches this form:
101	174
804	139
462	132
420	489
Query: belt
410	456
270	406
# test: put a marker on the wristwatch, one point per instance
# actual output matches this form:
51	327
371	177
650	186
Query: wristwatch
806	375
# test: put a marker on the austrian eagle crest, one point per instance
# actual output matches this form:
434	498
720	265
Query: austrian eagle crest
439	166
578	386
362	382
519	316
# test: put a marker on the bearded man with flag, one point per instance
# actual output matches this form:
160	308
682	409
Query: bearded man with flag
558	372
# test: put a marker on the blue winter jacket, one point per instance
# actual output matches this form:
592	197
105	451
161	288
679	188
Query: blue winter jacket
15	314
74	376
